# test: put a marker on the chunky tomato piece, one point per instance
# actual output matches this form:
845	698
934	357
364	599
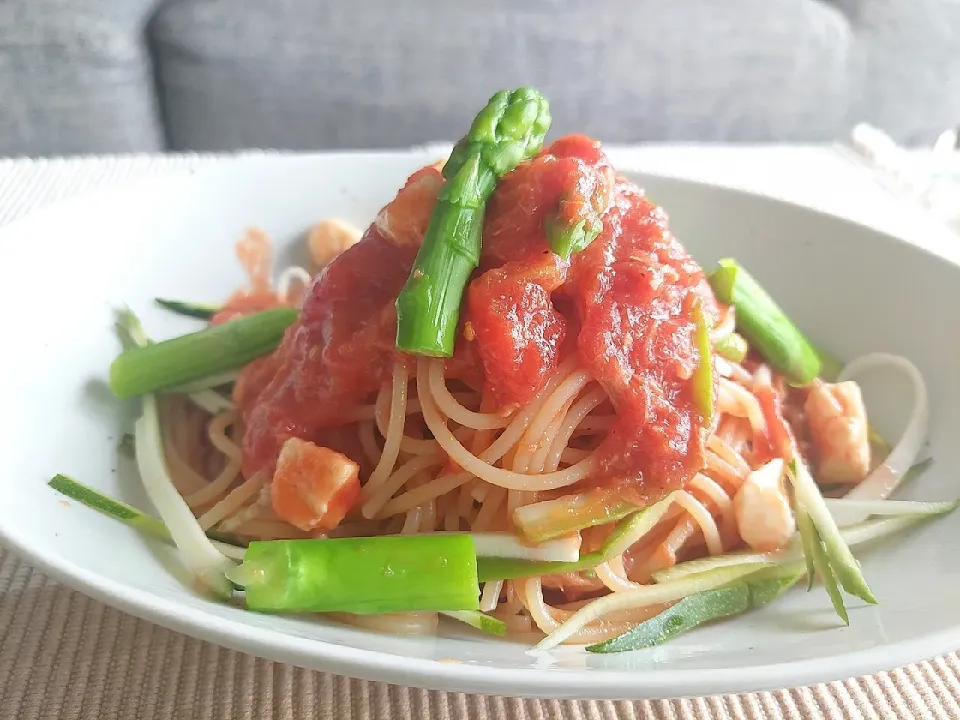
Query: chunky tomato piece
517	330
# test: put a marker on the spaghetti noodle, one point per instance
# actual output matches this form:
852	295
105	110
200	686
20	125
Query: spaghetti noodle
595	411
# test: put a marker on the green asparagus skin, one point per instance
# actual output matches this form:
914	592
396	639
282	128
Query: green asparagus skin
765	325
364	575
157	366
509	130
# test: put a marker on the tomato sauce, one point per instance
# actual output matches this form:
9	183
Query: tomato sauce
342	347
637	289
625	305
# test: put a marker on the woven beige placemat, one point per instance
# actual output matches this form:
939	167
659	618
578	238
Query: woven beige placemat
63	655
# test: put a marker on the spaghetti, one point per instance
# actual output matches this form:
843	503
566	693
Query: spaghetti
475	469
571	401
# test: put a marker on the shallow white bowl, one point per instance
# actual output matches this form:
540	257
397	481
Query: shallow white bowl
64	269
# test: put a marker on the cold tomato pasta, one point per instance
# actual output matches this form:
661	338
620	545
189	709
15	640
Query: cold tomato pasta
519	369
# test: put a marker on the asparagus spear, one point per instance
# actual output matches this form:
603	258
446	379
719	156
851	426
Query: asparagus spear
157	366
367	575
765	325
509	130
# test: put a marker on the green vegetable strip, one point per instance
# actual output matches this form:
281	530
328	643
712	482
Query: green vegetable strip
703	386
130	330
549	519
509	130
867	531
822	563
627	532
142	370
111	508
129	515
732	347
497	568
369	575
809	539
844	565
481	621
766	586
566	239
738	597
764	324
201	311
816	560
693	610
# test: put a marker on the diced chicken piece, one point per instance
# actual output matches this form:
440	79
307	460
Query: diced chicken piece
764	517
329	238
313	487
837	420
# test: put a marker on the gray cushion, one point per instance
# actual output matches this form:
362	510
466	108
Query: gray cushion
123	75
76	77
333	74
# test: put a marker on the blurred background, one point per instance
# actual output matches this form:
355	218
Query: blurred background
111	76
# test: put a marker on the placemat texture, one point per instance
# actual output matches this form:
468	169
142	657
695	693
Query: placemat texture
63	655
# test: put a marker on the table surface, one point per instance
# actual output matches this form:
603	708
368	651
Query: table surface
65	655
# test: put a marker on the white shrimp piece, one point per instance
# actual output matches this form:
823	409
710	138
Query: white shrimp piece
838	426
764	517
329	238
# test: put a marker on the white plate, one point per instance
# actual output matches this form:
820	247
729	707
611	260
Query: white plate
64	269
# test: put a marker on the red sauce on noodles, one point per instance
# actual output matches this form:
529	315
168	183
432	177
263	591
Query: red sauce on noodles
624	305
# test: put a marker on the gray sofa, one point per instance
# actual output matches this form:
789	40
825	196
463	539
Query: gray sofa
85	76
